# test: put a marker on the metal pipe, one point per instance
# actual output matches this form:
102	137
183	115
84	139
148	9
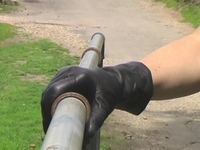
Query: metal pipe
94	55
89	57
98	41
66	130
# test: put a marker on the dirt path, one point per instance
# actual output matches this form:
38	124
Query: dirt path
132	29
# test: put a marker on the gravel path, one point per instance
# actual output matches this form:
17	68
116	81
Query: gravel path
132	29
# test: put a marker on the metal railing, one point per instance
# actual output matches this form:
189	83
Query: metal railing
66	130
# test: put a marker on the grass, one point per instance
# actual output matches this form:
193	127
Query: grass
192	14
7	31
190	11
8	7
25	70
110	139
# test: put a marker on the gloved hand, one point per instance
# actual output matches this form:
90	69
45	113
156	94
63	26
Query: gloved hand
126	86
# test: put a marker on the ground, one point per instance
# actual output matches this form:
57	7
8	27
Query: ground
132	29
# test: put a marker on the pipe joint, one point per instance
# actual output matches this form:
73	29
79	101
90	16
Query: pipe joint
74	95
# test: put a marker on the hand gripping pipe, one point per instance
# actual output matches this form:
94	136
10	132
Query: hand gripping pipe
71	111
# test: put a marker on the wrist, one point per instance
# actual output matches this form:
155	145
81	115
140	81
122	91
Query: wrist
137	85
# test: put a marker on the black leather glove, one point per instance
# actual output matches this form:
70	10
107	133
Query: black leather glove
127	87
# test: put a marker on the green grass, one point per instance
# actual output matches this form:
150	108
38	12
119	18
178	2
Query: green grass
110	139
106	141
190	11
25	70
192	14
7	31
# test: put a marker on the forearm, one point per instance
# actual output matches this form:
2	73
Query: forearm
175	68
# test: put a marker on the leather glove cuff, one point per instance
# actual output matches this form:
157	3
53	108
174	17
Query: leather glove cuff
137	85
